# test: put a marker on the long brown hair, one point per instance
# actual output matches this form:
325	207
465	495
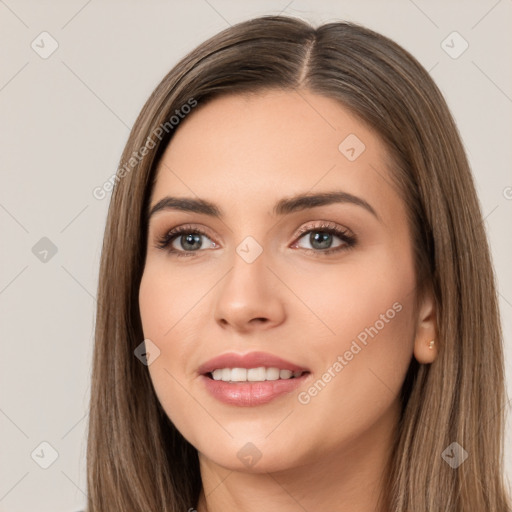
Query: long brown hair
136	459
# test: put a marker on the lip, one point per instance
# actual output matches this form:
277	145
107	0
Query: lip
249	360
250	394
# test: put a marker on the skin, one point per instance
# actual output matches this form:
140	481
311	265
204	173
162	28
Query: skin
244	153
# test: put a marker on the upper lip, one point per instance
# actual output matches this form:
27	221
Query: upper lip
249	360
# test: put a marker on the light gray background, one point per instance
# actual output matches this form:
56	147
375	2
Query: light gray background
65	120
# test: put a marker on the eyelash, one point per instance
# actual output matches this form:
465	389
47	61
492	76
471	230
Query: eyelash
349	240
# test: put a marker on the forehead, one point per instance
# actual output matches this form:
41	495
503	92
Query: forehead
251	150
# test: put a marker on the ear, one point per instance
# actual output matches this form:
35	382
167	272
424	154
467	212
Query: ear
425	351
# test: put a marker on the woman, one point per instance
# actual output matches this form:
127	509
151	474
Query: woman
297	306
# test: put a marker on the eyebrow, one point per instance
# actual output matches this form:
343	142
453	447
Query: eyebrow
284	206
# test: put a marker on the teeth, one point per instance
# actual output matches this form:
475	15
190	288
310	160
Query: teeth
256	374
238	374
286	374
253	374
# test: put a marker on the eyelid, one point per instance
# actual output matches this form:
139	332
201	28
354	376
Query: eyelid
323	224
162	241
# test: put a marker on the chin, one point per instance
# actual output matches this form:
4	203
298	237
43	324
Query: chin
255	456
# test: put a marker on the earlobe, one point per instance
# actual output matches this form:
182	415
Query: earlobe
426	343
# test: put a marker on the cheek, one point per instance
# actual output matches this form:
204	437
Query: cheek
166	312
362	378
368	344
167	296
169	303
366	297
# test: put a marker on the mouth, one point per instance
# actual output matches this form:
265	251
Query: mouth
250	379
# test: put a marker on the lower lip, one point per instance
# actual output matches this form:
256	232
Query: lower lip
249	394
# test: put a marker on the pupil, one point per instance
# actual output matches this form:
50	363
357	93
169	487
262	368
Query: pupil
321	237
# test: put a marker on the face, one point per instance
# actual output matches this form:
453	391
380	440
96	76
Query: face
326	285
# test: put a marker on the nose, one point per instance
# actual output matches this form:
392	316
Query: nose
250	297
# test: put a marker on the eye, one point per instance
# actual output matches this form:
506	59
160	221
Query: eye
183	241
320	238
